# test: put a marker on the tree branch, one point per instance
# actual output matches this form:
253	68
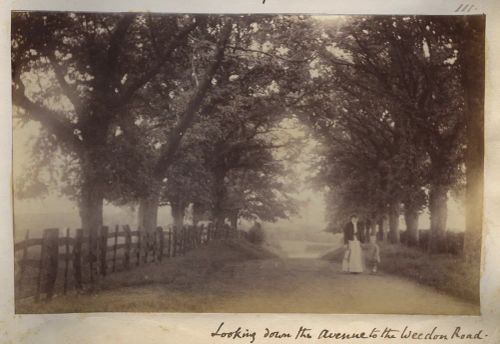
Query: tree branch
115	45
69	91
267	54
51	120
172	46
168	154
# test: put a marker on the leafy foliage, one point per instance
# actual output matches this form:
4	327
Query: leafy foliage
390	112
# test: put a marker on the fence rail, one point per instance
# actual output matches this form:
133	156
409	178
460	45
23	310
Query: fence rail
56	263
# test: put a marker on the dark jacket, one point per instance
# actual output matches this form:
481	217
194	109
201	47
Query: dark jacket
349	232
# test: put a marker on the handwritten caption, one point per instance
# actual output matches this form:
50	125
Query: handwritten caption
302	332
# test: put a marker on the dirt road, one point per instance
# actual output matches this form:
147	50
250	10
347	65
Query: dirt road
274	285
317	286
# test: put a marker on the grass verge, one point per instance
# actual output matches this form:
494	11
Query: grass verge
445	272
448	273
183	283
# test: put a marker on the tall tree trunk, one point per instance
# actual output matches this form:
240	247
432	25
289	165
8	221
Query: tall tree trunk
473	79
167	156
219	216
198	211
219	188
91	213
394	212
383	227
438	207
178	211
411	220
380	232
233	218
91	208
148	213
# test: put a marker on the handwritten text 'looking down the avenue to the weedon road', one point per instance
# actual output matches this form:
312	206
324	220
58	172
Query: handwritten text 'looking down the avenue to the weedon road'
303	333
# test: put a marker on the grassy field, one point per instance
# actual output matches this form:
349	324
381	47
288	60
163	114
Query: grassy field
448	273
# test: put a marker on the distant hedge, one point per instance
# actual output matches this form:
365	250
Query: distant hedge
256	235
454	242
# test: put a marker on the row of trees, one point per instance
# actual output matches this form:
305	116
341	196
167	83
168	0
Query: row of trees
157	109
186	110
400	118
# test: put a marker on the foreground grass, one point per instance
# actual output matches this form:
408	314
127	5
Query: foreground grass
447	273
180	282
235	276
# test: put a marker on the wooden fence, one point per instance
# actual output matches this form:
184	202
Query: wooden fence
63	261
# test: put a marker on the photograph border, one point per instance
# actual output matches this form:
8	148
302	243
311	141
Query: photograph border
197	327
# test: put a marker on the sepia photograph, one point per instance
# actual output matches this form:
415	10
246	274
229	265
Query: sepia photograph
257	163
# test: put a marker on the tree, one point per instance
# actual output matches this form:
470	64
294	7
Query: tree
188	180
75	74
369	164
471	39
148	206
406	65
244	75
257	186
242	110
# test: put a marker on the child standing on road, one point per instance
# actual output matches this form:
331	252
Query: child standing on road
374	256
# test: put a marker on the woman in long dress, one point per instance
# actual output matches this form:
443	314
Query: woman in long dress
353	257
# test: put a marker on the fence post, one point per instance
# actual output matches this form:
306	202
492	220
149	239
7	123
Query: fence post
192	236
52	237
91	258
66	261
138	253
146	245
209	233
183	240
161	242
23	261
200	235
174	243
169	247
77	257
178	234
104	249
40	269
115	243
155	243
128	241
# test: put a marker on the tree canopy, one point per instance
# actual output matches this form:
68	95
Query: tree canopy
158	109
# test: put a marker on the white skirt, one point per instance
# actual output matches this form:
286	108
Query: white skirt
353	260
